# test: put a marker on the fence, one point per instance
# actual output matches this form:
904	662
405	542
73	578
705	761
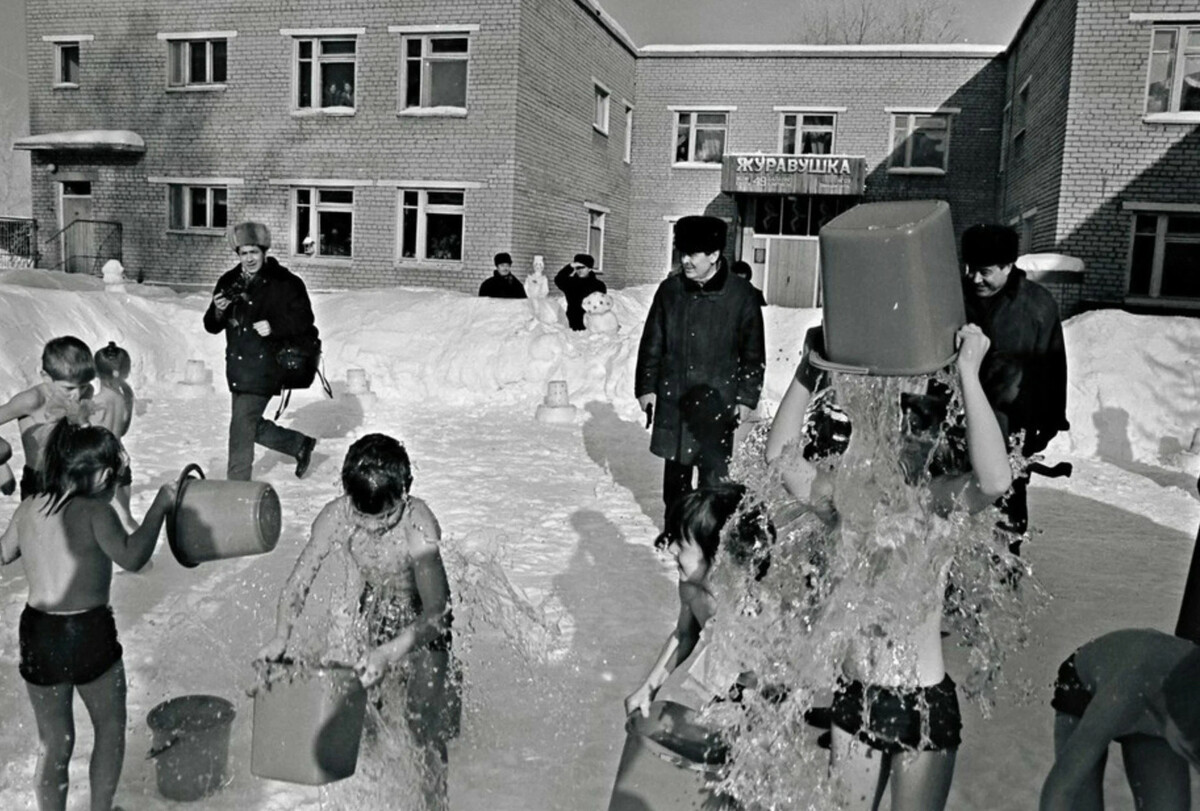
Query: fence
18	242
87	245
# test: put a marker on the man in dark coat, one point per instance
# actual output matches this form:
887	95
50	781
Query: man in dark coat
502	284
1025	371
258	303
578	280
701	359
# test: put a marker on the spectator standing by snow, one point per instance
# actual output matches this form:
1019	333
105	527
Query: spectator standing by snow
502	283
578	280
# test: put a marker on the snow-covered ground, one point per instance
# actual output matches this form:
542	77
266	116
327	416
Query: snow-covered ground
572	510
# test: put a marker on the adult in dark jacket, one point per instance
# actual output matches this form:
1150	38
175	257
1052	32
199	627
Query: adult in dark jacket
1025	372
502	284
257	303
578	280
701	360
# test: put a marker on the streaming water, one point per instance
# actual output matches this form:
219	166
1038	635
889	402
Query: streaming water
859	592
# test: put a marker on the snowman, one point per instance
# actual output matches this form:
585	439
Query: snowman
598	315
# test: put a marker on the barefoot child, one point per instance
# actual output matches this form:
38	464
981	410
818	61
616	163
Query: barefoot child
68	538
1140	688
66	391
113	409
403	612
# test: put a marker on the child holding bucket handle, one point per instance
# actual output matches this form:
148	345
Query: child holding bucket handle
113	409
68	538
392	538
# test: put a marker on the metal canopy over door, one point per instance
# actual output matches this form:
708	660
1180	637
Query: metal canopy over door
78	241
792	276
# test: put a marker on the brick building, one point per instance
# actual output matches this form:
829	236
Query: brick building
408	143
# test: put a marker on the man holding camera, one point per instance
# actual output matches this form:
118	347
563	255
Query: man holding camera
258	303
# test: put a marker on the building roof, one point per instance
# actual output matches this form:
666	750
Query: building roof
83	141
923	51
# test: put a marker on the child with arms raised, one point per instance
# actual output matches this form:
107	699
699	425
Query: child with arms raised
67	538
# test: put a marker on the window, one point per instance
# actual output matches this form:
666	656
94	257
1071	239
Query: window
1173	83
196	63
431	225
326	215
595	241
67	69
628	134
920	142
807	133
1165	256
700	137
797	215
196	207
325	73
600	116
434	71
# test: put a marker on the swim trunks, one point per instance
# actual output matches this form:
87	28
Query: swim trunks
31	483
67	648
389	614
925	718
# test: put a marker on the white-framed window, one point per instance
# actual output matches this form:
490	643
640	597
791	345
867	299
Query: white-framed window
324	217
431	225
595	235
600	112
920	142
433	71
807	133
66	71
700	136
196	62
1005	129
197	208
325	74
1164	257
628	133
1173	75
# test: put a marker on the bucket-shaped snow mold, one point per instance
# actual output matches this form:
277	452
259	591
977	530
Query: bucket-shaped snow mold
217	519
667	761
892	289
190	745
307	723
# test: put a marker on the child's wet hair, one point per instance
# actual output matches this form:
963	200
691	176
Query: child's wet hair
1180	693
700	515
112	361
74	454
69	360
376	473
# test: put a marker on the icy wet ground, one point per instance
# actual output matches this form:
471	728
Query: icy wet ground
574	508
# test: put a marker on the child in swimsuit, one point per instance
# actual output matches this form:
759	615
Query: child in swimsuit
112	406
8	482
65	393
67	538
1138	687
391	538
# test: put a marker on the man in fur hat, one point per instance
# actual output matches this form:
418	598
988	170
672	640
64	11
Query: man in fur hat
701	360
578	280
502	283
257	303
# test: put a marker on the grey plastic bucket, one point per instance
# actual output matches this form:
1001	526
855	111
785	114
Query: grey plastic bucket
190	745
217	519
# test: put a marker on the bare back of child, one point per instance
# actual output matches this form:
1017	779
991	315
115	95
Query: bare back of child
114	400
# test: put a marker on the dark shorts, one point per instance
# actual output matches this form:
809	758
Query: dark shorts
1071	696
31	483
67	648
387	616
894	720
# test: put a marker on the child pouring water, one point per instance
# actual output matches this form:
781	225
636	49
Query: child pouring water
402	623
67	538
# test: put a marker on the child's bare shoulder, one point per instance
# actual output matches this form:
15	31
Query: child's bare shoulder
422	520
26	402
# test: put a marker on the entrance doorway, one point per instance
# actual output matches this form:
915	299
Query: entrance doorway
75	220
792	272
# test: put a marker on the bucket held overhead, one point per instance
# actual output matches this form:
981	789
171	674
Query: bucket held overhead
214	520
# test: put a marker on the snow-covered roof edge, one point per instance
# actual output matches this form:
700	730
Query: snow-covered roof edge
88	140
922	51
609	22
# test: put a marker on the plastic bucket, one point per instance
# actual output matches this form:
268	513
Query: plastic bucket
893	294
667	760
214	520
190	745
307	724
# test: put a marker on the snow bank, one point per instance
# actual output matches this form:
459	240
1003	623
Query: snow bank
1133	379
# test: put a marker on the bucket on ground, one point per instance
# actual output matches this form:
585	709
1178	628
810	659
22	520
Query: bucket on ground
216	519
190	745
307	723
893	292
667	761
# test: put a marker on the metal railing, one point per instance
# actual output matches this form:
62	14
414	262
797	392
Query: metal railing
18	242
87	244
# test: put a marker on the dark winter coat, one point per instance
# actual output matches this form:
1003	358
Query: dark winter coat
275	295
576	289
502	285
702	354
1025	370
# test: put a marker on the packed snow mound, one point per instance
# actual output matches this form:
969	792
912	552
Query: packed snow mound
1133	394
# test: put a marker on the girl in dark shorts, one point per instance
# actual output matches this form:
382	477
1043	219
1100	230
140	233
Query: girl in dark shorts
68	537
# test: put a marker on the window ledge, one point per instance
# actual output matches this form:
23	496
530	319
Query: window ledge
196	232
433	112
928	171
196	88
1156	301
1172	118
430	264
597	128
66	86
306	260
336	112
1018	134
696	165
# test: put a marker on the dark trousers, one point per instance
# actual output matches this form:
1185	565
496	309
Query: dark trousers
247	425
677	478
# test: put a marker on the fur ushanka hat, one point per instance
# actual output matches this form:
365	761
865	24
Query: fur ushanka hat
250	233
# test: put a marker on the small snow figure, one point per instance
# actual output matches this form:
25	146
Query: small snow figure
537	292
113	274
598	315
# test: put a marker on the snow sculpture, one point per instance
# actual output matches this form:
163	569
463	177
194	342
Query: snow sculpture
113	274
197	380
598	315
537	293
358	386
556	407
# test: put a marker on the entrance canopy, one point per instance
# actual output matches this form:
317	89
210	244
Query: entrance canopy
83	141
793	174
